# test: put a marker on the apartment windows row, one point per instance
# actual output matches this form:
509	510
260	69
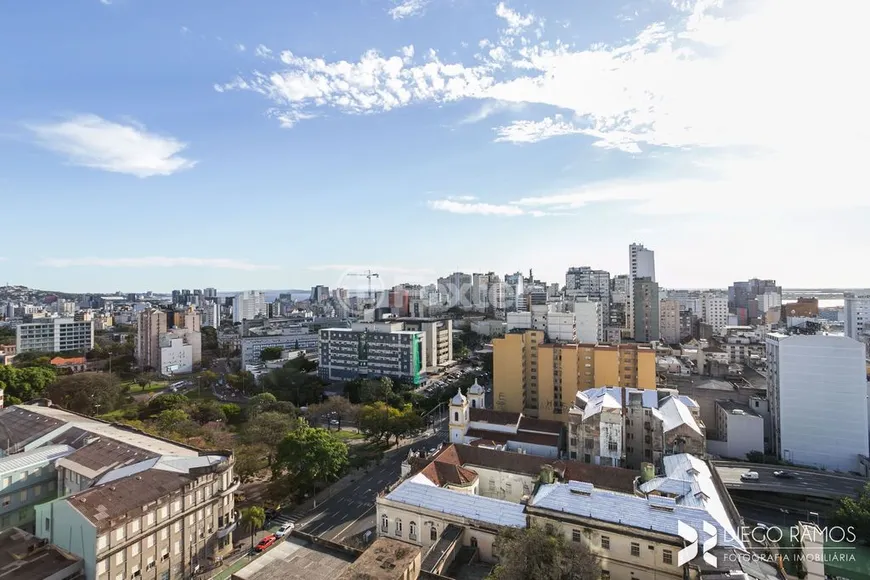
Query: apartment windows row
667	556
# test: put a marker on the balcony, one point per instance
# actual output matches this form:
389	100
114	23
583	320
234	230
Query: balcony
233	486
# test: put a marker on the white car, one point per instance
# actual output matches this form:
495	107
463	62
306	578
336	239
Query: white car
749	476
284	530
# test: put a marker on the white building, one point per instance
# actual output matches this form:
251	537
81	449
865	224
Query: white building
562	327
817	387
54	335
248	305
856	314
641	264
589	317
767	302
176	355
518	320
211	314
714	311
740	431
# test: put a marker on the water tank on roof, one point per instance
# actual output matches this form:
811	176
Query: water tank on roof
647	472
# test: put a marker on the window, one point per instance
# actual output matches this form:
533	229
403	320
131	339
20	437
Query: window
119	534
412	531
456	417
135	526
149	541
149	519
101	567
119	558
492	485
385	523
23	496
37	490
134	549
164	533
398	527
177	547
6	501
576	536
635	549
433	534
164	512
612	446
667	557
605	542
102	543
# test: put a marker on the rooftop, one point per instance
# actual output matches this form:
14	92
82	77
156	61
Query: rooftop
478	415
20	426
731	406
29	459
474	507
385	559
24	556
441	473
294	559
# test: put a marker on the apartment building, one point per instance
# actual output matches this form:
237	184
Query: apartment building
669	321
372	350
438	333
562	326
27	479
297	337
714	311
856	317
590	316
151	324
54	335
646	310
584	281
641	264
176	355
129	504
628	427
817	388
249	305
739	429
541	379
743	298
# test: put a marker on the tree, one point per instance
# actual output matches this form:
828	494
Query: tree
249	460
25	384
376	420
88	393
253	518
208	378
171	420
207	412
260	403
335	407
142	381
268	429
310	456
854	512
232	412
288	384
270	353
163	402
534	554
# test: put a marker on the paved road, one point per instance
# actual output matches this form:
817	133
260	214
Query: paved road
352	510
776	516
805	482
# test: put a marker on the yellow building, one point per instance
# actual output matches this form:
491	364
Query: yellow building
540	380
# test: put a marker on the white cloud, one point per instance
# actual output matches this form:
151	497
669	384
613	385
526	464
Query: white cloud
407	8
185	30
91	141
156	262
490	108
474	207
534	131
240	47
516	22
105	2
263	51
462	197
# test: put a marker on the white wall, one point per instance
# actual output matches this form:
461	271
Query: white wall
590	321
822	409
502	484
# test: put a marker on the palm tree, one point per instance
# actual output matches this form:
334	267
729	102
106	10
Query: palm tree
253	517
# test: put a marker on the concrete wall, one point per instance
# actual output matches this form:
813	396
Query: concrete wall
503	484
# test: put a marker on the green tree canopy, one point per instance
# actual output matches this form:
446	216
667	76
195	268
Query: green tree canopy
260	403
268	429
163	402
26	384
534	554
270	353
171	420
207	411
253	519
88	393
338	408
299	388
310	456
854	512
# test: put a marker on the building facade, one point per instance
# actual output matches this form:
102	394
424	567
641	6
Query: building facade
817	388
438	334
150	326
856	317
646	310
669	321
55	335
372	351
248	305
641	264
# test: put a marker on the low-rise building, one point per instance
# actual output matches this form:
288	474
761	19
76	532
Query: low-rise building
27	479
740	431
627	427
295	338
27	557
176	355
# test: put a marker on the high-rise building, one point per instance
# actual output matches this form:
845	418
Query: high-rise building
319	294
540	380
590	319
817	388
645	303
150	325
455	290
249	305
210	293
669	321
584	281
714	311
372	350
743	299
641	264
856	315
54	335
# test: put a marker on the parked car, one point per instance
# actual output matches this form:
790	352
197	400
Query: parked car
266	543
782	474
284	530
749	476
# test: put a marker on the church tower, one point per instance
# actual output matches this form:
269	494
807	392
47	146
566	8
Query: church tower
458	417
476	396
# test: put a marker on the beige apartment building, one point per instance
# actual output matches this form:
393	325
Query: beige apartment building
151	324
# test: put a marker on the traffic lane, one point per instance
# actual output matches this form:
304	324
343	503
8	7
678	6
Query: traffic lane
776	516
802	480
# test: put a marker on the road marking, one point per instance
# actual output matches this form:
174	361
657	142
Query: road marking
337	537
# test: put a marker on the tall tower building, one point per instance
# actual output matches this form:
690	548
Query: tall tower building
150	325
641	264
248	305
646	310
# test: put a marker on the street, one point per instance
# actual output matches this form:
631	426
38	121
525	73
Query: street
805	481
351	511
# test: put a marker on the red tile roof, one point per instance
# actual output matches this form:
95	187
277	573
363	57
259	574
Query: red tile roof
540	425
494	417
60	361
441	474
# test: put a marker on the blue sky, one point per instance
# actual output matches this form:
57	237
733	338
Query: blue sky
161	144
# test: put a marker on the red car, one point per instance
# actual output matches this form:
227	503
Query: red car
265	543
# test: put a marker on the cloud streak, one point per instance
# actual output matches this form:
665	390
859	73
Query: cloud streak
91	141
408	8
155	262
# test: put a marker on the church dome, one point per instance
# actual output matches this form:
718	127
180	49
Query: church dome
475	389
459	399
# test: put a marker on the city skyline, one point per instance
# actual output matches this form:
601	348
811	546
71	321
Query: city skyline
283	144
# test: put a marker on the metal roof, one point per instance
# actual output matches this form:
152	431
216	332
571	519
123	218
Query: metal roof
33	458
475	507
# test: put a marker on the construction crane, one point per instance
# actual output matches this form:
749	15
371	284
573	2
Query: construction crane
368	274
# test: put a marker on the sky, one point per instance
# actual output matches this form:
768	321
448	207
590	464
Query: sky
157	144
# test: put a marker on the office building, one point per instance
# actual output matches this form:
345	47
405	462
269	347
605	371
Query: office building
210	314
293	338
646	310
372	350
541	379
210	293
817	388
140	506
743	299
641	264
438	337
150	326
54	335
249	305
456	290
